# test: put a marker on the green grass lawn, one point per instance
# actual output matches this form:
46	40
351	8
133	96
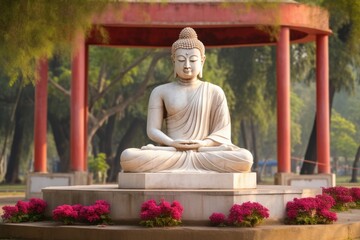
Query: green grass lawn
12	188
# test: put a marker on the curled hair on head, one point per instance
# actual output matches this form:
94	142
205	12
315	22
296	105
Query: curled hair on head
188	39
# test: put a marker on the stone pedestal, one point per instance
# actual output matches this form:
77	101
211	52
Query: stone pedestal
36	181
198	204
187	180
305	181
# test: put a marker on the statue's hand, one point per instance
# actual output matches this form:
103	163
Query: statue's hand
183	145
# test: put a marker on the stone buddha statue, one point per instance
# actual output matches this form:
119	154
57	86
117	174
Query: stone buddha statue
197	136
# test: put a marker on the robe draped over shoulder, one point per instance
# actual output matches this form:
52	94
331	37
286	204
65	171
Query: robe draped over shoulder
206	116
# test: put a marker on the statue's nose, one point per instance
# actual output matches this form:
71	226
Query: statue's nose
187	64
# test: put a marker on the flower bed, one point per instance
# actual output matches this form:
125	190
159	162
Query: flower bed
23	211
98	213
160	215
342	197
248	214
310	210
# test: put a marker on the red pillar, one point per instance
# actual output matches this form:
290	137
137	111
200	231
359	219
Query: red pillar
77	128
40	118
322	104
86	107
283	101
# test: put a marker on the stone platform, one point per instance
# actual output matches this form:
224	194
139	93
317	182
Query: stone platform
347	227
198	204
187	180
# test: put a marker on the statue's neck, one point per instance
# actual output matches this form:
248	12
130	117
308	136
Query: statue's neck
191	82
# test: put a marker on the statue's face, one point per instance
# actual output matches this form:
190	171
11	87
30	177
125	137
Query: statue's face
188	63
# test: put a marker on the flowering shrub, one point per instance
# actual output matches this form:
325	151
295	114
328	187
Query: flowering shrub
218	219
310	210
23	211
66	214
160	215
247	214
97	213
355	194
342	196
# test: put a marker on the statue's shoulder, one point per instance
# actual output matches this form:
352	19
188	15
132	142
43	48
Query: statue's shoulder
215	88
163	88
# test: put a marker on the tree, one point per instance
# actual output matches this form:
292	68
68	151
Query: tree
248	77
342	137
9	99
355	169
344	57
22	136
30	30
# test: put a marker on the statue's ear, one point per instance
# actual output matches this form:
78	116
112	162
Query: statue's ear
203	60
173	61
202	66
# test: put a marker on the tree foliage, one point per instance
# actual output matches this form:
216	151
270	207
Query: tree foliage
344	58
342	136
30	30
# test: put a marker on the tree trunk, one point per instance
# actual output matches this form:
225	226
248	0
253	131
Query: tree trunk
105	135
311	150
255	152
22	138
243	134
12	172
125	142
311	153
106	138
355	166
61	135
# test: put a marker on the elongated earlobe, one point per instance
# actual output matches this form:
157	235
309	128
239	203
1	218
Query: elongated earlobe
175	75
202	66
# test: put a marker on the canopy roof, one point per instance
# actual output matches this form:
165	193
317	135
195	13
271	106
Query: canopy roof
218	23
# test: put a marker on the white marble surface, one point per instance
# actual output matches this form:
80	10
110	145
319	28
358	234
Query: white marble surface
198	204
306	180
187	180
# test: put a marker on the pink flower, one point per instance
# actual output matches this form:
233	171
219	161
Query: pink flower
162	214
150	210
326	201
97	213
165	207
341	195
355	193
77	207
310	210
328	215
37	205
65	213
9	213
89	214
217	219
103	203
25	211
22	206
247	214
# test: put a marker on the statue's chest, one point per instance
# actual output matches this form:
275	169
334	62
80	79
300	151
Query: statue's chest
179	100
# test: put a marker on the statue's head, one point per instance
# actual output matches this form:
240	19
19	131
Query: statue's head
188	44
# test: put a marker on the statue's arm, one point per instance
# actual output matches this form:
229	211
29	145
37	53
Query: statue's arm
155	119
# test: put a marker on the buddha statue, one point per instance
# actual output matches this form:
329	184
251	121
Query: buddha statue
197	137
